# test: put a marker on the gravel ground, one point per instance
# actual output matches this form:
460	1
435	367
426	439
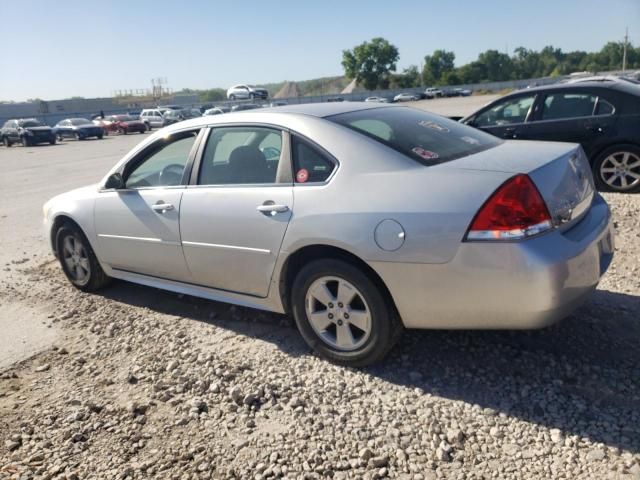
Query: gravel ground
147	384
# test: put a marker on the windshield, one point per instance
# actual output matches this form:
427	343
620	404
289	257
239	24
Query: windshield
424	137
79	121
30	123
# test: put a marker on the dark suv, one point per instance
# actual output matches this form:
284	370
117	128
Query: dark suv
27	131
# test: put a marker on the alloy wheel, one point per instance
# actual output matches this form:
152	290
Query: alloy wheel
338	313
621	170
76	259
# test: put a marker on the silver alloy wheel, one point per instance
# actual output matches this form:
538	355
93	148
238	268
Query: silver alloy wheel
76	259
621	170
338	313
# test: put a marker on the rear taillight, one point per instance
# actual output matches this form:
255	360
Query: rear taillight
515	210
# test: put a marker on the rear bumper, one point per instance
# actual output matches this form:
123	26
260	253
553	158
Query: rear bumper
518	285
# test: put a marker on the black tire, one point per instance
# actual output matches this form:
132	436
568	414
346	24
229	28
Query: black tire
77	136
25	142
100	136
601	162
52	141
60	138
96	277
124	131
386	327
7	142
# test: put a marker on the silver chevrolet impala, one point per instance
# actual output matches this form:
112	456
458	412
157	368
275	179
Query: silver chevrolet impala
358	219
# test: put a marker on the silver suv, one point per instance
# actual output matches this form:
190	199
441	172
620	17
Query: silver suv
246	91
152	118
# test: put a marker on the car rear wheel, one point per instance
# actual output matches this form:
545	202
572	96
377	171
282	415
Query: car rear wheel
100	135
617	169
77	136
52	141
342	314
25	142
78	260
6	142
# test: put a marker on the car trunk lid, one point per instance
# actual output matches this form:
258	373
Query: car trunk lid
560	171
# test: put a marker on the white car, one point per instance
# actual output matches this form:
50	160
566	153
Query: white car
240	92
152	118
406	97
433	92
377	99
213	111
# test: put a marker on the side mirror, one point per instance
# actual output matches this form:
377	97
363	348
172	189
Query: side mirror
115	182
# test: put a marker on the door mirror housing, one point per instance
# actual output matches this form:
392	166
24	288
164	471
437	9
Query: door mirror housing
115	182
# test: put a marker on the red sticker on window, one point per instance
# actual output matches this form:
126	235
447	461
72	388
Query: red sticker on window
426	154
302	175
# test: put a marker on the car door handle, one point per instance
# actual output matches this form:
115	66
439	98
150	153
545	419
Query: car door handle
595	128
162	207
272	209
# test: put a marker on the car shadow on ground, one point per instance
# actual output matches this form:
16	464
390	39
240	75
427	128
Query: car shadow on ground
581	376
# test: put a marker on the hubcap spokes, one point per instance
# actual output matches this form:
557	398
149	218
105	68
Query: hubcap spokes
621	170
75	258
338	313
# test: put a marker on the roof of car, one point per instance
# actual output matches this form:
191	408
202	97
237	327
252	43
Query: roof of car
323	109
608	83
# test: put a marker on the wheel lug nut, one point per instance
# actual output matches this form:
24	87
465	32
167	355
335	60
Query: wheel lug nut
330	305
340	322
346	316
340	305
331	316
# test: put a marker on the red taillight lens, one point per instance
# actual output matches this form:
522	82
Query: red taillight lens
516	210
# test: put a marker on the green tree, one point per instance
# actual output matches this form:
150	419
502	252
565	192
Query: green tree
436	65
213	95
370	63
498	66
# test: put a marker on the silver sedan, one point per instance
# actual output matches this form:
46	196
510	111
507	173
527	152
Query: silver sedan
360	220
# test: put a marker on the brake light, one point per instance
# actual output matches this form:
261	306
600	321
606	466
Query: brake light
515	210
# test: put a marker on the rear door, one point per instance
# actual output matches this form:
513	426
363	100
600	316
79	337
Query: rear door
138	227
235	215
508	118
576	116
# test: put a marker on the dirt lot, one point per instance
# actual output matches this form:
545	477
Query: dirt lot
140	383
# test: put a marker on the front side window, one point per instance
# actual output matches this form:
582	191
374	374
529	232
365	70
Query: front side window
568	105
164	165
241	155
309	163
30	123
509	111
424	137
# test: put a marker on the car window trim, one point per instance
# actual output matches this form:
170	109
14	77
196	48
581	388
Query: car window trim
567	91
285	156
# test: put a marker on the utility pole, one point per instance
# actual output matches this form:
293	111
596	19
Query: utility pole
624	50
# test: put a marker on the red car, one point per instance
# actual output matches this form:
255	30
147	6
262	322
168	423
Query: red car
107	125
126	124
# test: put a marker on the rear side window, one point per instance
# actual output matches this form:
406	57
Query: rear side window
309	163
427	138
568	105
604	107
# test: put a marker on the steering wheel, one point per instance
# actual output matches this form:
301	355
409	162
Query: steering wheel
171	175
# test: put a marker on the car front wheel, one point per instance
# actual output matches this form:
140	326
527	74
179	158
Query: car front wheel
78	260
25	142
342	314
617	169
6	142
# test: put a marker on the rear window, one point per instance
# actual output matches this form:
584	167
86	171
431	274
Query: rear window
424	137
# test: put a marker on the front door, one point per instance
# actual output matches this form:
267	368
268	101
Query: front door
234	220
138	227
507	119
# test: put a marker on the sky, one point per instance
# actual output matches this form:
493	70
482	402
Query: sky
56	50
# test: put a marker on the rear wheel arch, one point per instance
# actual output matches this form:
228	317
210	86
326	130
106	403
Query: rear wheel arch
301	257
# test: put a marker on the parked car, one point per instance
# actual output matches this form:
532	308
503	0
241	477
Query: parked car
152	118
449	228
127	124
335	99
78	128
244	106
213	111
240	92
462	92
108	126
27	131
603	117
433	92
278	103
188	113
406	97
173	116
377	99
